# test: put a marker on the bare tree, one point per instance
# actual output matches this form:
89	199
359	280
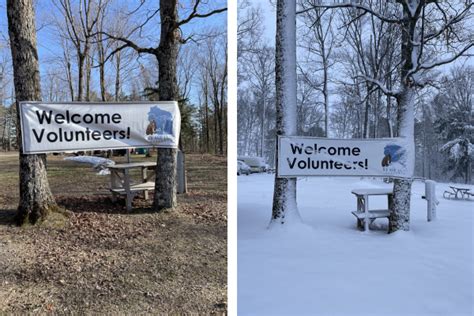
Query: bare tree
36	200
320	42
259	66
433	33
249	29
68	65
205	115
166	54
80	32
284	194
216	86
256	73
309	114
370	53
102	49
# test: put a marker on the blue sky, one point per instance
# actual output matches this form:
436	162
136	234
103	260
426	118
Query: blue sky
48	39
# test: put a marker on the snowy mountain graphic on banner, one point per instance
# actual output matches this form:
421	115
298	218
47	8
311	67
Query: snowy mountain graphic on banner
160	127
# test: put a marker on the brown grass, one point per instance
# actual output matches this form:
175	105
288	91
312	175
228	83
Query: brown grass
108	260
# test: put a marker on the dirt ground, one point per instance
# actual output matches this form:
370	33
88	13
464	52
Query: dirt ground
106	260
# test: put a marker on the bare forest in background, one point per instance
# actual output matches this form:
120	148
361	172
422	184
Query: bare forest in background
348	63
89	63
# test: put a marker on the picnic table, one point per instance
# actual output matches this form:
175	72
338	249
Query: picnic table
122	184
366	216
456	191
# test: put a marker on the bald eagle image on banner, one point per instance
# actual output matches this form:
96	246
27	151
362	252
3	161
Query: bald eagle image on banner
160	128
394	154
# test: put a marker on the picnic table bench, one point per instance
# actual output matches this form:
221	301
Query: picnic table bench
122	184
366	216
458	193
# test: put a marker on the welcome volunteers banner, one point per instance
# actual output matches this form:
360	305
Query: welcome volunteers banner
313	156
76	126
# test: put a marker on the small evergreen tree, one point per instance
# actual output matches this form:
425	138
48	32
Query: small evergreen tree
455	123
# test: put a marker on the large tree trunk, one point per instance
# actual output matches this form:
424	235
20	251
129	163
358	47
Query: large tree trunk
400	215
284	195
36	200
165	185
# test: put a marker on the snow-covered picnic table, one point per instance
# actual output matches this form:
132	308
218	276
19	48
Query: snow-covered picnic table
98	163
122	184
456	191
366	216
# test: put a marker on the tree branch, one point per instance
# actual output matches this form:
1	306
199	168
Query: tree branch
355	6
427	66
194	14
448	23
129	43
379	85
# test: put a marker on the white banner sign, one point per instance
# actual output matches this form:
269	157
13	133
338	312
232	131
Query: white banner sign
312	156
69	127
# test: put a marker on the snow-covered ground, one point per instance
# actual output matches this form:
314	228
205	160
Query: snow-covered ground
326	266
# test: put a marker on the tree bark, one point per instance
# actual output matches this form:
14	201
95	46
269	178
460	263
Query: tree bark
101	53
36	200
326	98
167	54
88	77
221	111
400	216
284	195
117	76
206	112
80	66
68	71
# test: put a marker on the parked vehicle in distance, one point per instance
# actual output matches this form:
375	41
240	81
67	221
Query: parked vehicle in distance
243	168
257	164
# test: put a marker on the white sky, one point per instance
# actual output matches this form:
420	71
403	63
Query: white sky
270	18
269	14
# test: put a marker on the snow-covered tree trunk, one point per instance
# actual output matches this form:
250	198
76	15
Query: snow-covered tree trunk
284	195
400	216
